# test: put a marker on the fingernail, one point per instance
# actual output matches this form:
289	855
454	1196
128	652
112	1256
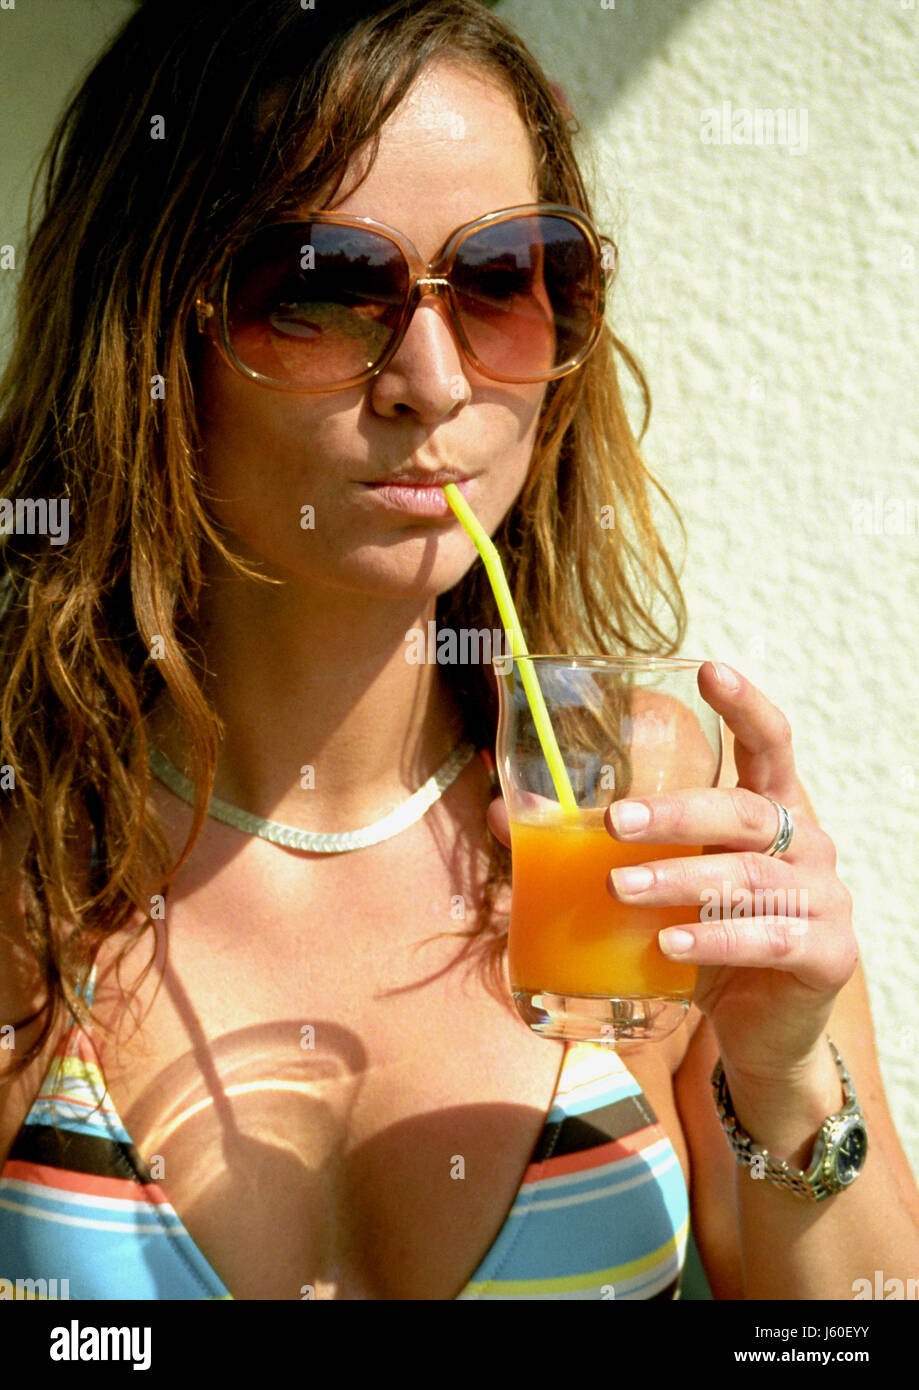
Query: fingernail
726	677
629	816
673	941
632	880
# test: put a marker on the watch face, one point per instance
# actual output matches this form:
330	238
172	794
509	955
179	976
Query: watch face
850	1153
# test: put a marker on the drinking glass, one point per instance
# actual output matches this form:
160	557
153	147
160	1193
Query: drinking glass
583	965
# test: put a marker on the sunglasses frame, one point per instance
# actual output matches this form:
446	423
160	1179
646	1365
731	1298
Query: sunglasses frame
424	279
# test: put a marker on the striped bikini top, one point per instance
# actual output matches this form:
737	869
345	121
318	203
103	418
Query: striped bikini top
601	1212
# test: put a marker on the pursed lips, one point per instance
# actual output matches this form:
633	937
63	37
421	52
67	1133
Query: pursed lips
418	493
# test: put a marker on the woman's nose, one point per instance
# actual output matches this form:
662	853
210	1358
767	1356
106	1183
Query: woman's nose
426	375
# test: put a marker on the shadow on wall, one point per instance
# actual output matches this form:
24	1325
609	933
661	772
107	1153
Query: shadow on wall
638	30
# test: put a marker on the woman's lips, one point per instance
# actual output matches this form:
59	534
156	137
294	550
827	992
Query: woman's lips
417	499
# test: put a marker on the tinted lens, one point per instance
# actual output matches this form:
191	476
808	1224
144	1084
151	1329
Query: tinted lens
527	294
314	304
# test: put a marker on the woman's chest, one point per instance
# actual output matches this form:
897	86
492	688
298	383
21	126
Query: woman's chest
335	1105
330	1100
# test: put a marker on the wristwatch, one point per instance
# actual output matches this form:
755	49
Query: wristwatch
839	1150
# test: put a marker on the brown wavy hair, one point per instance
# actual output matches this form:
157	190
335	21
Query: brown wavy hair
263	105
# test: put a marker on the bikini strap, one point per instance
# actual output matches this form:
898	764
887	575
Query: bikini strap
75	1030
487	758
89	991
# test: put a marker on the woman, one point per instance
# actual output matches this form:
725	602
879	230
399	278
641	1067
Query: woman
322	1090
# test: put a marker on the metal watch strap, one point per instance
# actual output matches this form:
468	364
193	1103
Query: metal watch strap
778	1171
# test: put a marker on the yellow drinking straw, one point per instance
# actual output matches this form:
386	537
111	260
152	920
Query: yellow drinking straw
498	580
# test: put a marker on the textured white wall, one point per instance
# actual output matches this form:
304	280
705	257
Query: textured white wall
46	46
771	293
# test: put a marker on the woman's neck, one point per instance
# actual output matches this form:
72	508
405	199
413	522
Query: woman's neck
328	721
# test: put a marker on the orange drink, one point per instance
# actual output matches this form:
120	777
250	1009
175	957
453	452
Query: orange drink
568	935
584	966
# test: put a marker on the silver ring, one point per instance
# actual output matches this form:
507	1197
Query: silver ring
784	833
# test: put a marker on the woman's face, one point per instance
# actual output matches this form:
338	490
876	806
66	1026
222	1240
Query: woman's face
454	150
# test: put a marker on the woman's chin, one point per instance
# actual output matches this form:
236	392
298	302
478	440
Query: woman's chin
370	583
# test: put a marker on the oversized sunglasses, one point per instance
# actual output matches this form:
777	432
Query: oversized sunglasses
322	302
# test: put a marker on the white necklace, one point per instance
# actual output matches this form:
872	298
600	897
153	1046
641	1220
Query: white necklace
329	843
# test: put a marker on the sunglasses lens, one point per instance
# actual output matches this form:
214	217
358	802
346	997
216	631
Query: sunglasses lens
314	304
318	304
528	294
